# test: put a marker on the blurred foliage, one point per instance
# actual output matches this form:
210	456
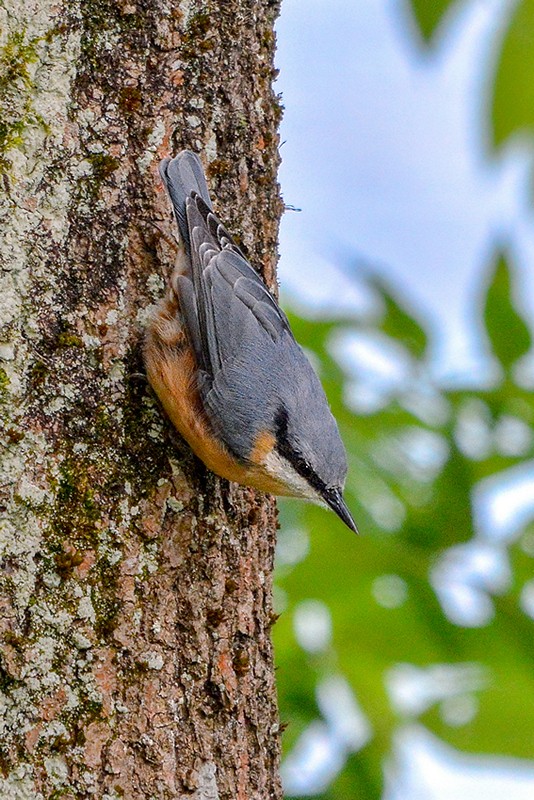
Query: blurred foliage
513	88
501	316
429	14
415	510
397	323
417	464
512	109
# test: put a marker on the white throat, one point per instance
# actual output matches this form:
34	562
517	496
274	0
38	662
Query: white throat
280	468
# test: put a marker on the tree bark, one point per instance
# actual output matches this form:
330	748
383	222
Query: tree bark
135	599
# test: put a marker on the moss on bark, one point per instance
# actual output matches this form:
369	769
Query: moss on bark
135	587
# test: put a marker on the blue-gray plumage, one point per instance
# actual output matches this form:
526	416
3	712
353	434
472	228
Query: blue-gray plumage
256	392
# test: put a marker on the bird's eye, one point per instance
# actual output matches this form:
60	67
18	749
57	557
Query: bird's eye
285	448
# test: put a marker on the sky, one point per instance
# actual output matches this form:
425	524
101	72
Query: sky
385	151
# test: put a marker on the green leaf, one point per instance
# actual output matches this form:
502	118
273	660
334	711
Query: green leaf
508	333
513	88
398	322
429	14
377	587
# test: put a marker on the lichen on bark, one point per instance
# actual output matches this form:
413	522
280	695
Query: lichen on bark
135	587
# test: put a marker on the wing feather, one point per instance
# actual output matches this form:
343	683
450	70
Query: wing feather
226	289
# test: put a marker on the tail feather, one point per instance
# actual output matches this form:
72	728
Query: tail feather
182	175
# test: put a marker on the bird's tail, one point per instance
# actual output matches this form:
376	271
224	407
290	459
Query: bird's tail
182	175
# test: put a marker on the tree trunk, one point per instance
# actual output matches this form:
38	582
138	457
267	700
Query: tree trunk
135	599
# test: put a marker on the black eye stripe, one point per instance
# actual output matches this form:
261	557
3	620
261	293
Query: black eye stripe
281	422
296	460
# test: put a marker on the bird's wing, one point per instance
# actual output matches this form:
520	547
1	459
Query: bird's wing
235	326
227	292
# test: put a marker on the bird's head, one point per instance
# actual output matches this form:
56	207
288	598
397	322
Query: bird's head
308	465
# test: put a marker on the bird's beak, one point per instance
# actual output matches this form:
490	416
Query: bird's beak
334	500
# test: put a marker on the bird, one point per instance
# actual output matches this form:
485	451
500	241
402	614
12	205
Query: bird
222	359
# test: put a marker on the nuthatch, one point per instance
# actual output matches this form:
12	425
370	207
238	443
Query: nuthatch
223	361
